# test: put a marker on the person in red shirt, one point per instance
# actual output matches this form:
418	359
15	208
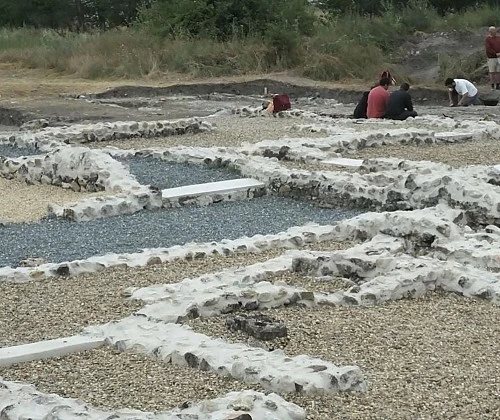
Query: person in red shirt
492	47
378	99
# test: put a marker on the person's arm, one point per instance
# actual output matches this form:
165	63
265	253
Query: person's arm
408	102
463	98
450	96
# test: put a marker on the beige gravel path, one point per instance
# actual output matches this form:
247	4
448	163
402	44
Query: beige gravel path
20	202
432	358
111	380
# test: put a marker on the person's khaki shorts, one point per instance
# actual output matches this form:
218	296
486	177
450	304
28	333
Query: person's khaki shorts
493	65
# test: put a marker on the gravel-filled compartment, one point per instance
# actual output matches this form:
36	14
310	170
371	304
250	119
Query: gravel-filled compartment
163	174
59	240
111	380
435	357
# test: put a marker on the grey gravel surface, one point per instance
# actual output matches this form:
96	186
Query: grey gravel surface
163	174
15	152
111	380
60	240
431	358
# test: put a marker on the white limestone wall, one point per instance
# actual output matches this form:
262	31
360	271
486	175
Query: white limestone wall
141	198
274	371
382	270
222	292
22	401
78	168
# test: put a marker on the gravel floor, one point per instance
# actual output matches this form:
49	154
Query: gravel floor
229	131
20	202
15	152
432	358
462	154
61	240
53	308
162	174
111	380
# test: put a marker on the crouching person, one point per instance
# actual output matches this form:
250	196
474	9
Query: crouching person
462	92
400	106
378	99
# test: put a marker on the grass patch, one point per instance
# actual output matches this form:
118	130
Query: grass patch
470	67
344	47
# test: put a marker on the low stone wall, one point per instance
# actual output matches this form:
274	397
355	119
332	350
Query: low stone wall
49	138
419	227
76	168
274	371
383	272
19	401
222	292
142	198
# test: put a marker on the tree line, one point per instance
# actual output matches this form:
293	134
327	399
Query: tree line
204	18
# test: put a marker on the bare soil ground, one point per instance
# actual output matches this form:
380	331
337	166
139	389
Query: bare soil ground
30	94
421	55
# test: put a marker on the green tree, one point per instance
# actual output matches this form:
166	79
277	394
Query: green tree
224	19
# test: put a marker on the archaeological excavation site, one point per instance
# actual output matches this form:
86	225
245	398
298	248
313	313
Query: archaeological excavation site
183	253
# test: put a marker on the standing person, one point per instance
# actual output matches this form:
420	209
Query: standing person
492	47
400	105
378	98
461	92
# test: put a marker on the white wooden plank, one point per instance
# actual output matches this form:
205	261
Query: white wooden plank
212	188
50	348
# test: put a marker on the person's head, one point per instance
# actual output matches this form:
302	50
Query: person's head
449	83
405	86
492	31
387	73
384	82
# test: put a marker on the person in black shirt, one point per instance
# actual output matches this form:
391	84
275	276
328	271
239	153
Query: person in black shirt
400	106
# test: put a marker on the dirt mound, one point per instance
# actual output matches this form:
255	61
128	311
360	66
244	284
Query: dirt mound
256	87
424	56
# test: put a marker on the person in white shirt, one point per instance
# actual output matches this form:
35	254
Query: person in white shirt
461	92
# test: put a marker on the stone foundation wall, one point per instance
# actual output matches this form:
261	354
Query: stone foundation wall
20	401
76	168
49	138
